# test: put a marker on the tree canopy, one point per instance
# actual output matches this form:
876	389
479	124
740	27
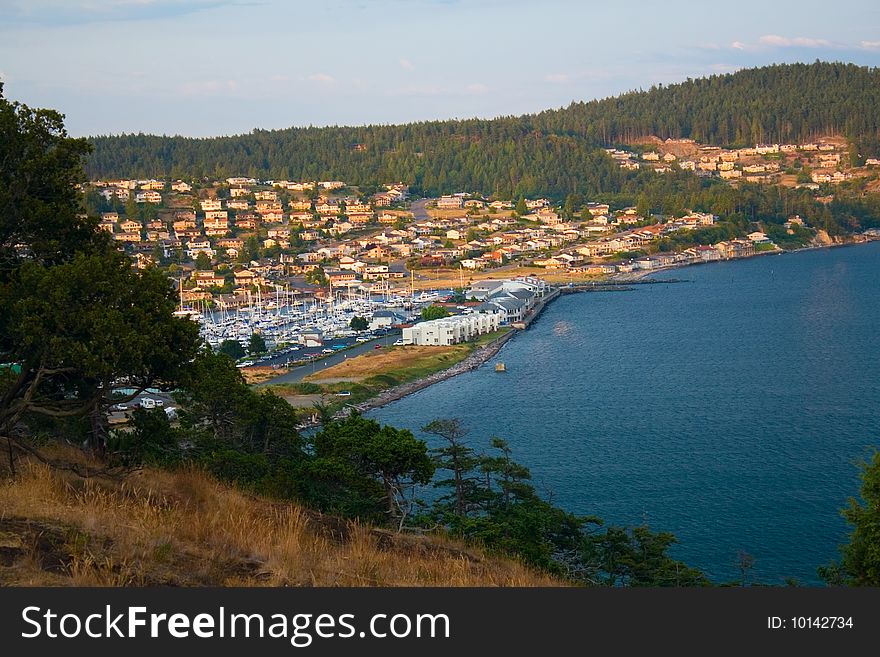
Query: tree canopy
78	322
555	152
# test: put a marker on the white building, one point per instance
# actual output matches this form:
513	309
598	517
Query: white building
450	330
449	202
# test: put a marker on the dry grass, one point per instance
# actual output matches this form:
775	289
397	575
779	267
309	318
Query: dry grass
185	528
260	373
397	361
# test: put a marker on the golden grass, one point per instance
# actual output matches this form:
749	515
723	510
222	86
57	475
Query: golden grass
185	528
260	373
397	361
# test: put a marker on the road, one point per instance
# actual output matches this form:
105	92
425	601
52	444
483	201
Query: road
418	209
297	374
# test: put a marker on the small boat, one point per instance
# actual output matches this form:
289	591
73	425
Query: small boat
500	367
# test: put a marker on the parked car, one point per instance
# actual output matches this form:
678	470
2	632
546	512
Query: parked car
344	393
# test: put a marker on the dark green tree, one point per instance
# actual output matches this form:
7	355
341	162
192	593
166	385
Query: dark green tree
233	349
460	460
256	344
434	312
359	323
860	557
368	469
203	262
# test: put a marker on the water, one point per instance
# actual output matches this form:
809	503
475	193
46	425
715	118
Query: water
730	410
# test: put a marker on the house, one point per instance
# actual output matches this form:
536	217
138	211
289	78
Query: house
155	185
215	215
449	203
130	226
181	186
148	197
758	238
548	217
245	277
597	209
360	219
651	156
208	278
375	271
211	204
387	318
195	247
341	277
240	181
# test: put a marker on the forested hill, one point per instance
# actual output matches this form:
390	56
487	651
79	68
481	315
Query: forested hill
553	152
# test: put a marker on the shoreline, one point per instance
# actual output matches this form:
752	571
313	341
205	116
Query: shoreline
629	277
484	354
472	362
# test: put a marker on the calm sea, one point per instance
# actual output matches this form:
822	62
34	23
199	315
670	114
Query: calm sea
730	409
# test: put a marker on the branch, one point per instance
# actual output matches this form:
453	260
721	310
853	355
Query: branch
83	471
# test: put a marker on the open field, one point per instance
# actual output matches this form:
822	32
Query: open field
260	373
370	374
184	528
402	363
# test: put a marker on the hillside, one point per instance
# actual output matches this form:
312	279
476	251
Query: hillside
553	152
186	529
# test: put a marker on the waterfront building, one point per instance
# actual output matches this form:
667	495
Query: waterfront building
450	330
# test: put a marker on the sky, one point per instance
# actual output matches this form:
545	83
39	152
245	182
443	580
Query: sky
214	67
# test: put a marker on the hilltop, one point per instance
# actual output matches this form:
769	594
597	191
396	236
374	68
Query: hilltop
555	152
184	528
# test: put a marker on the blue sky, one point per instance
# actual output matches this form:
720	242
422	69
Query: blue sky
211	67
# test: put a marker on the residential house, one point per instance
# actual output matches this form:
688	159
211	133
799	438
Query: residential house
449	203
148	197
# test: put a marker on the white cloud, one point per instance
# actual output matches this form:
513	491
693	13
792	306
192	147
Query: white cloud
789	42
738	45
870	45
321	78
477	88
407	65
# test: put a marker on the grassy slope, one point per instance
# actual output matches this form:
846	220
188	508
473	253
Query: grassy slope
185	528
369	374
